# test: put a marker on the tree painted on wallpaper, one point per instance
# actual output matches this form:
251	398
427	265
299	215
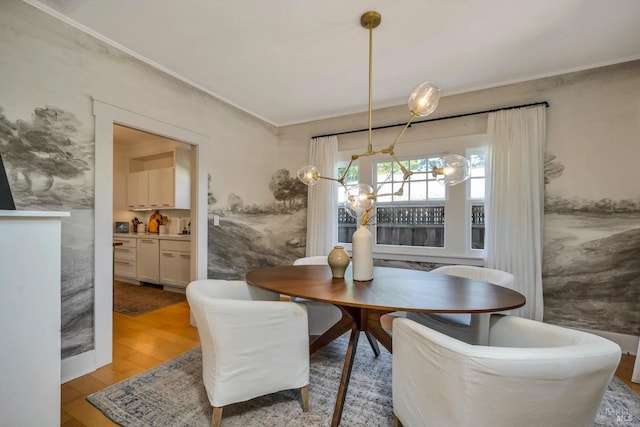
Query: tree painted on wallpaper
47	151
50	167
591	266
252	235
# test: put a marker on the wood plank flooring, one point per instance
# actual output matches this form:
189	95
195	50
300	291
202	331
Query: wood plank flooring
145	341
139	343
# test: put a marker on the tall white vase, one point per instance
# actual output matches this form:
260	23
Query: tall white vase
362	254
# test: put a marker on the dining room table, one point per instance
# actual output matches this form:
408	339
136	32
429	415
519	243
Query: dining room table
363	304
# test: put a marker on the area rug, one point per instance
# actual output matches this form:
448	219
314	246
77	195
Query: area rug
172	394
134	300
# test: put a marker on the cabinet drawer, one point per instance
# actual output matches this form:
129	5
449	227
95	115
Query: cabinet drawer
175	268
175	245
168	255
127	242
123	253
124	269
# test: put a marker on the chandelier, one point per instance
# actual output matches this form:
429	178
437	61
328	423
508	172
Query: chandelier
450	169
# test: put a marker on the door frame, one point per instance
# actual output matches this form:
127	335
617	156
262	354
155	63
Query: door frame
106	115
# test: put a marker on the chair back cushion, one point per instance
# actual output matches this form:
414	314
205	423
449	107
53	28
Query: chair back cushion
490	275
250	347
531	374
312	260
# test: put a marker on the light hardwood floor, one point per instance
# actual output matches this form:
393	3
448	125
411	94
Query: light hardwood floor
145	341
139	343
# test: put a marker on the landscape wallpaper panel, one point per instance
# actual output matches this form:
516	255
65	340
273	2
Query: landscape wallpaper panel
253	236
591	264
49	161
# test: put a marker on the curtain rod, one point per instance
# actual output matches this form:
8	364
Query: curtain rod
545	103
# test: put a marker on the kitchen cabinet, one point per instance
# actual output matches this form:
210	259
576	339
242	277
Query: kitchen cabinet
138	190
175	263
148	260
161	188
160	181
124	259
153	259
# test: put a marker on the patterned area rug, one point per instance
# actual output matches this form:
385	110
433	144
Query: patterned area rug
172	394
134	300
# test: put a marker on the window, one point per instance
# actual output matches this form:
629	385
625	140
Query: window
346	223
421	187
476	198
428	219
415	218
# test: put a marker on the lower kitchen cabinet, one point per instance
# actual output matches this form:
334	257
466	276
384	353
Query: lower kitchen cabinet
175	263
149	260
124	259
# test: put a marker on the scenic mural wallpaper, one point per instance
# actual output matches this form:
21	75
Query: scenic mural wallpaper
252	236
591	268
49	159
591	264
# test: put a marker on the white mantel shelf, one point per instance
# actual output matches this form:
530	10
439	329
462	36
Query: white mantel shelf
30	268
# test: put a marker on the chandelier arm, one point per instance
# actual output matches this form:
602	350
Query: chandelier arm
390	148
400	190
383	183
406	173
327	178
435	171
346	171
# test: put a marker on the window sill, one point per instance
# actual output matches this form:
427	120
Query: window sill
412	254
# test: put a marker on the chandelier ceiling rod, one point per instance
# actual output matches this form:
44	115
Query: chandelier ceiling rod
370	20
455	116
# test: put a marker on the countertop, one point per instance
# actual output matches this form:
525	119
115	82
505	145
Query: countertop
185	237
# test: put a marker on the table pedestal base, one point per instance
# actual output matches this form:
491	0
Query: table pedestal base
356	320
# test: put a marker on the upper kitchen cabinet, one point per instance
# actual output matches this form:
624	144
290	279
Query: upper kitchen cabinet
138	190
160	180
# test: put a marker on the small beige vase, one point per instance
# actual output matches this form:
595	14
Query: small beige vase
338	260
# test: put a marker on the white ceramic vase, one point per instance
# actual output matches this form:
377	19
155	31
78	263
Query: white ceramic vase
362	254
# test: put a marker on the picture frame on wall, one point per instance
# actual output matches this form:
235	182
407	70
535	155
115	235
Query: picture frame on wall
6	198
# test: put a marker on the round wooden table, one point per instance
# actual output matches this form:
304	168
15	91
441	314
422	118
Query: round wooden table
392	289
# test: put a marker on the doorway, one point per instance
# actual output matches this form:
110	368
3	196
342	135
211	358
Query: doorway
151	191
106	115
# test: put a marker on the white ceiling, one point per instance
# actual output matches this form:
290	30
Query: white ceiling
291	61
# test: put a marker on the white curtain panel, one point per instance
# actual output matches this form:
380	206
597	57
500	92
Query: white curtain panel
515	201
322	206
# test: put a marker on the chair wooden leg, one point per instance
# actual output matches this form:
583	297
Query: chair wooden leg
397	422
216	419
304	393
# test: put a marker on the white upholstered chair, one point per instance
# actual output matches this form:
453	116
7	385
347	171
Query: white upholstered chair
461	326
253	344
531	374
321	315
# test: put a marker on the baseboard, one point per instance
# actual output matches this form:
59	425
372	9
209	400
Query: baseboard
127	280
77	366
628	343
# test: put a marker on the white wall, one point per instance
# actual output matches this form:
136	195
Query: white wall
592	129
46	62
593	115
